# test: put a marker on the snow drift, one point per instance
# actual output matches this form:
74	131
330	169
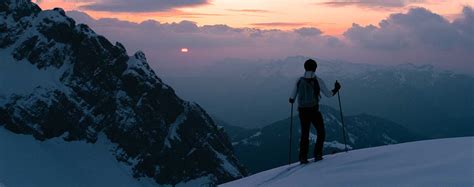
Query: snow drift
441	162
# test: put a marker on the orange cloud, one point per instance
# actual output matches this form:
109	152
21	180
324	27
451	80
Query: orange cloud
281	24
273	14
371	3
139	6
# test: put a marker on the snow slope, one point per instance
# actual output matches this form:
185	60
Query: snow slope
25	161
441	162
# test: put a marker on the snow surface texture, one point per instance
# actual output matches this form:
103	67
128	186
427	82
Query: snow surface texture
441	162
25	161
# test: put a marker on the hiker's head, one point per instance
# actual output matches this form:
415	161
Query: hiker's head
310	65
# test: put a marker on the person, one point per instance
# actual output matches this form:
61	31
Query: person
308	89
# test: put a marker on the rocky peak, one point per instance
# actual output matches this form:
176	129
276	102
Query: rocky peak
80	85
19	8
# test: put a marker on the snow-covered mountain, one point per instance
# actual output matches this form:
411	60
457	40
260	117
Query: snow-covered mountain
59	79
420	97
253	147
440	162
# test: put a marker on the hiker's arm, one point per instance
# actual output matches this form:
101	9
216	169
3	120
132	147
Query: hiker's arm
294	92
324	88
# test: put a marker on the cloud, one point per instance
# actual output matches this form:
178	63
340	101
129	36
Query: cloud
280	24
308	31
219	29
465	24
162	41
140	5
370	3
419	28
418	36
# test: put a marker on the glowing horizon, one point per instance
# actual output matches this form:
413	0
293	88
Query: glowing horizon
331	19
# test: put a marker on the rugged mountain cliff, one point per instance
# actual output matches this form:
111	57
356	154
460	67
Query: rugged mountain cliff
61	79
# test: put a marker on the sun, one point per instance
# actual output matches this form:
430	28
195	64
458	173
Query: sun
184	50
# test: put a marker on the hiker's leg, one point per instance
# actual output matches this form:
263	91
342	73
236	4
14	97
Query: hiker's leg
304	140
318	123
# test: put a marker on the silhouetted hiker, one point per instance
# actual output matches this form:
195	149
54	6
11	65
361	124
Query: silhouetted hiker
308	90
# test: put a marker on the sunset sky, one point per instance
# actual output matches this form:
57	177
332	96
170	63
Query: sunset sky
197	32
332	17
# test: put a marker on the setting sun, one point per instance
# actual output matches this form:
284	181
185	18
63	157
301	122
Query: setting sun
184	50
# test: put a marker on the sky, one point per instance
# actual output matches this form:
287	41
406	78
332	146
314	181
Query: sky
332	17
436	32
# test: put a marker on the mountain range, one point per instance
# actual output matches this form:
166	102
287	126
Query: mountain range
264	148
427	100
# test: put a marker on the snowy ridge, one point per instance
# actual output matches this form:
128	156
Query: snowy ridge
173	130
408	164
249	140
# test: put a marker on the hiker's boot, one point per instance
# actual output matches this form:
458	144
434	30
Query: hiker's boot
318	158
304	161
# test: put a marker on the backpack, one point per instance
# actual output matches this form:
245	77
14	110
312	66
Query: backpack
308	92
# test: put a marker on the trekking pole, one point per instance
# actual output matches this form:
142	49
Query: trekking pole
342	120
291	133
